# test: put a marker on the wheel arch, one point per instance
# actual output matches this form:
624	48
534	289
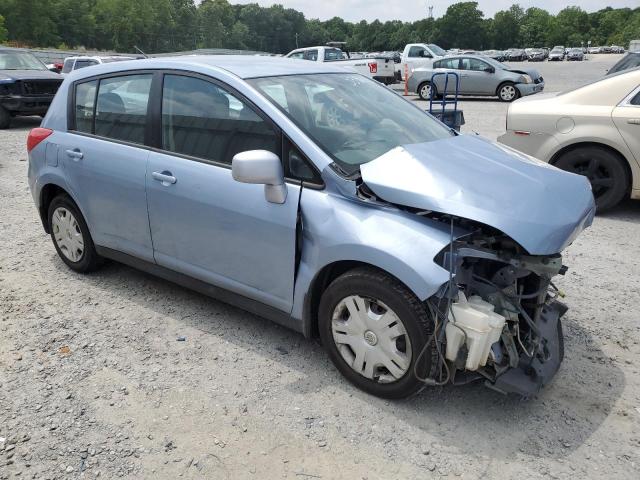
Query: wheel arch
502	84
322	280
47	194
591	144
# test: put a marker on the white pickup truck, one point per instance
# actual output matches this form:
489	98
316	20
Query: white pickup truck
420	55
379	68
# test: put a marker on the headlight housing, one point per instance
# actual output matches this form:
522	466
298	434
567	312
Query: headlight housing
526	79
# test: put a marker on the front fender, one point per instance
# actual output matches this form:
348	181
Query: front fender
335	229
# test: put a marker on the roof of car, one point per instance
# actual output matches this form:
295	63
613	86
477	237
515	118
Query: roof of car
243	66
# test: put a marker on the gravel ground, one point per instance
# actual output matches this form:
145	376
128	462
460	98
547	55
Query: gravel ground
94	382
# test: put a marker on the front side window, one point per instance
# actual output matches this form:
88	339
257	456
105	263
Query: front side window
121	107
311	55
417	52
473	64
84	63
352	118
85	102
201	119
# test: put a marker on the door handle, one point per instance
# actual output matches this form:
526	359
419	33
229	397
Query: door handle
165	177
75	154
634	121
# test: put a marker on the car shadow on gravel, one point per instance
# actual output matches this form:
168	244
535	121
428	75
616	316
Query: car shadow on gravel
471	418
627	211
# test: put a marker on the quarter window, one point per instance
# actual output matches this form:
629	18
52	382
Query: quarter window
121	108
203	120
85	102
635	100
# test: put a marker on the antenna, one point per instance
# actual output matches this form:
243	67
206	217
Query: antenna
430	7
143	54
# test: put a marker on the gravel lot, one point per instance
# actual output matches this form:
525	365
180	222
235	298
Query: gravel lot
93	381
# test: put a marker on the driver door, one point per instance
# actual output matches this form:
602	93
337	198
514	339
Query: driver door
204	223
474	79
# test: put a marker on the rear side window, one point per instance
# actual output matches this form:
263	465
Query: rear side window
121	107
84	63
85	102
203	120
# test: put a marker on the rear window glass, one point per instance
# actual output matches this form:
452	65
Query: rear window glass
121	107
85	102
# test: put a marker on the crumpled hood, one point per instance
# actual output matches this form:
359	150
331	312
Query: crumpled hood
537	205
528	71
30	75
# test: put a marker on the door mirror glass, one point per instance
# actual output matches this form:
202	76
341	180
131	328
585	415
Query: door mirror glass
261	167
490	70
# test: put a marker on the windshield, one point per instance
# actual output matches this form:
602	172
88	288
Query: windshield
437	50
352	118
19	61
557	50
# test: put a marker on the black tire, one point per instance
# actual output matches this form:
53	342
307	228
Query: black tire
507	92
5	118
371	283
89	260
422	91
605	170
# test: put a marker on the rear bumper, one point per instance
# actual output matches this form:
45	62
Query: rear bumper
26	105
538	145
529	88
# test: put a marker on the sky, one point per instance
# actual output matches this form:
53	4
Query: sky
411	10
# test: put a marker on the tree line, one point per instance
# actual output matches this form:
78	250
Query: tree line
158	26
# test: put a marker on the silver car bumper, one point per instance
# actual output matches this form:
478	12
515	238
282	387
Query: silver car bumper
529	88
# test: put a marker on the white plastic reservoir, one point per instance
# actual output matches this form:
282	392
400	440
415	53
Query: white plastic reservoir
482	326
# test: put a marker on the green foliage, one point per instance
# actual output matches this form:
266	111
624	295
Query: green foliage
173	25
3	31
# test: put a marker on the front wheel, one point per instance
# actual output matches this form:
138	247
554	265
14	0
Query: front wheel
375	331
607	174
508	92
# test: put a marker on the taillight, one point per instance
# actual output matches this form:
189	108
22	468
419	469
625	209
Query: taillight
36	136
373	67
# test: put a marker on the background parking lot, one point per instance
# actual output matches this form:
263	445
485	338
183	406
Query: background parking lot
120	374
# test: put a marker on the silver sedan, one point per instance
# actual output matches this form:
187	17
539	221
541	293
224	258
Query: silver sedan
479	76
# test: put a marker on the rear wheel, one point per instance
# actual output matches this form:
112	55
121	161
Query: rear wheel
607	174
424	90
71	236
5	118
507	92
374	330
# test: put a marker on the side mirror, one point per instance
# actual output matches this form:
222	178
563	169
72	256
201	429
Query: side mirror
490	70
261	167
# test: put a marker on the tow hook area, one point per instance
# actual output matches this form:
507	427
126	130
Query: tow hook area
532	373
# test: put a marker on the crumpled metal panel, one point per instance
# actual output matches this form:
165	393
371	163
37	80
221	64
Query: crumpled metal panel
537	205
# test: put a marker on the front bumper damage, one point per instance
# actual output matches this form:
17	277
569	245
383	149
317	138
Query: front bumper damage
530	347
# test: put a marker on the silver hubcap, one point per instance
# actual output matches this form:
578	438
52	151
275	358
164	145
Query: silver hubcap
426	91
371	338
508	92
67	234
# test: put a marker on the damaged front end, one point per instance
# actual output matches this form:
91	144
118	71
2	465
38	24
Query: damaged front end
498	318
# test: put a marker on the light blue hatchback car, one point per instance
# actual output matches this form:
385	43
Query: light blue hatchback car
321	200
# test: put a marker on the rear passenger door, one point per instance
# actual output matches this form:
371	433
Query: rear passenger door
203	223
105	160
